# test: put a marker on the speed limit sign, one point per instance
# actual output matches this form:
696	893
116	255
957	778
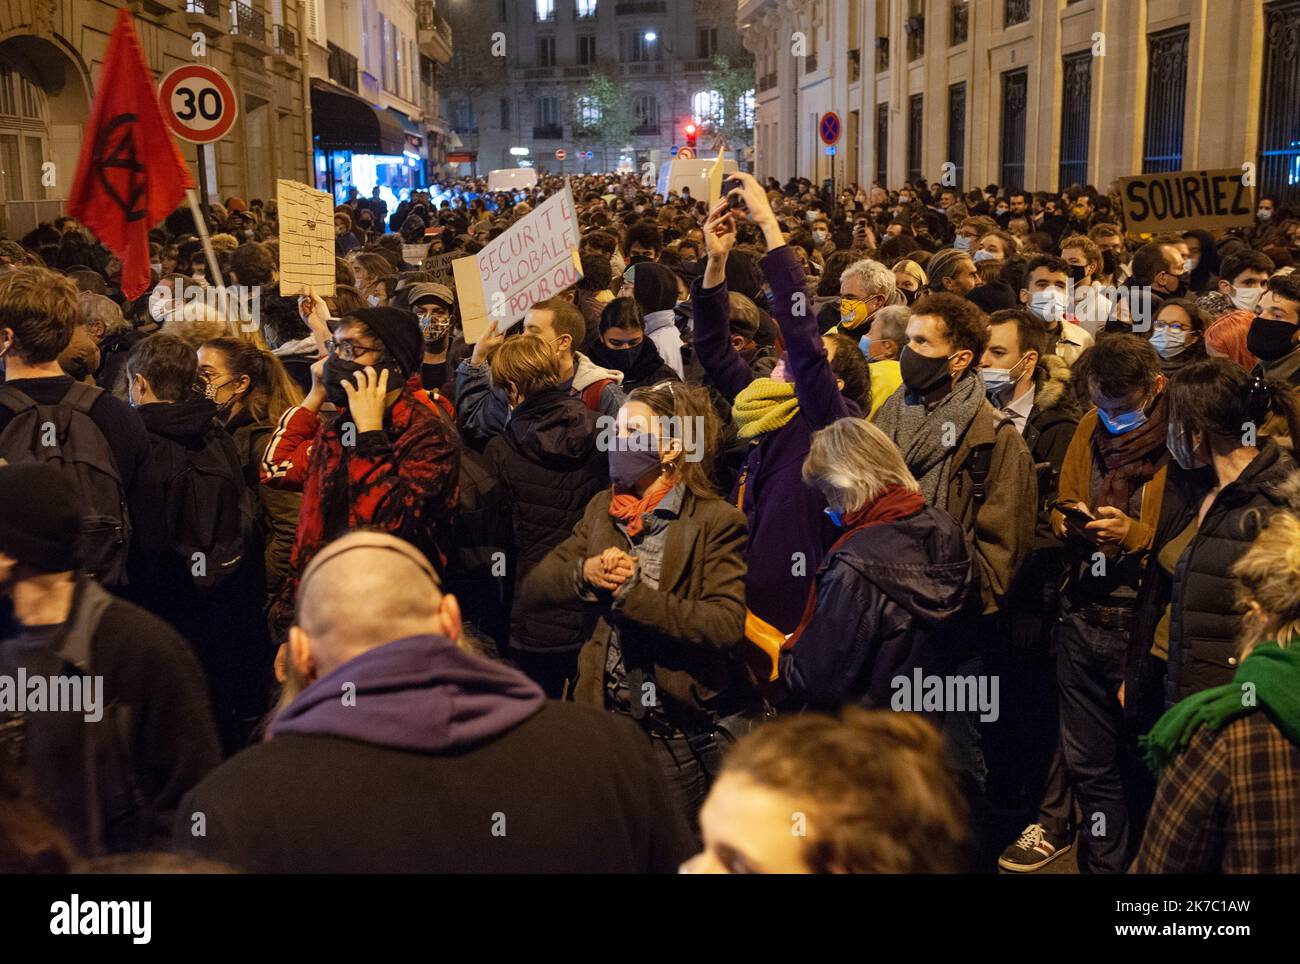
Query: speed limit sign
199	103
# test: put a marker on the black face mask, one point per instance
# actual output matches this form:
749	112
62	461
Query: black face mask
639	259
619	359
922	374
337	371
1109	263
1181	288
1269	339
1077	273
909	296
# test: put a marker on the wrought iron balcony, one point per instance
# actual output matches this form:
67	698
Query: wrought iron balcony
959	25
1015	11
248	25
342	67
548	132
286	40
640	6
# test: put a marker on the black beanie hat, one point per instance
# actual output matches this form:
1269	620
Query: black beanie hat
654	287
40	519
994	296
398	330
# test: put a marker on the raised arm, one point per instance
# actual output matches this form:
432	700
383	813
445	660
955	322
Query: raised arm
711	309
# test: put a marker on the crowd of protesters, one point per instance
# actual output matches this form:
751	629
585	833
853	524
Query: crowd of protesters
808	532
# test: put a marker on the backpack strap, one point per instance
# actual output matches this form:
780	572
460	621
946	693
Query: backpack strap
82	397
977	465
591	394
14	400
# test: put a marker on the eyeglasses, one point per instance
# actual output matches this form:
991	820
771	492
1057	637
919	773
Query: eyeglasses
347	351
1174	326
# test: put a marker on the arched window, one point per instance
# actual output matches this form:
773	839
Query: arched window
586	112
706	107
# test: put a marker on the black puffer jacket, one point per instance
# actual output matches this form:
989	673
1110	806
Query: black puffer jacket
549	464
1204	622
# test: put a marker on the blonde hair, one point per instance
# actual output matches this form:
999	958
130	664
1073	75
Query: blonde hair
852	463
526	362
1268	575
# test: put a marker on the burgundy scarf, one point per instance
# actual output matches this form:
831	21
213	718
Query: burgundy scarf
1129	461
894	503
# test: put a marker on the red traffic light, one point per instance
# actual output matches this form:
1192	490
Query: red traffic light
690	130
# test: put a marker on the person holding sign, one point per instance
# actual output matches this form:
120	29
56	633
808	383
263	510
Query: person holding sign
386	459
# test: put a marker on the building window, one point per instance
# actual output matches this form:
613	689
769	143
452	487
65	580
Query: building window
915	135
747	111
914	27
383	51
1076	118
706	108
586	113
1162	142
587	49
1015	90
1279	108
637	48
957	131
462	117
502	6
546	118
706	43
505	113
646	110
545	51
1015	11
959	25
545	10
882	145
586	9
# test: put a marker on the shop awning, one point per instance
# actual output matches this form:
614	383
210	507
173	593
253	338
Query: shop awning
344	122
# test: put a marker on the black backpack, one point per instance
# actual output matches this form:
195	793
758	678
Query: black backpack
209	508
65	436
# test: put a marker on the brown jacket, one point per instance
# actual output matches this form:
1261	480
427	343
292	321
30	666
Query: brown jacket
687	632
1001	528
1076	475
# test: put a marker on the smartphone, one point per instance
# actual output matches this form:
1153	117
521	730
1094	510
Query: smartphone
1072	514
729	185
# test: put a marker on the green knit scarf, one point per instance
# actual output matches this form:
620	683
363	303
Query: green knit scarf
764	405
1268	679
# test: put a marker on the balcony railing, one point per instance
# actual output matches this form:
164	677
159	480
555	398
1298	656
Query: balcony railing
640	6
286	40
539	73
578	71
646	130
645	67
702	66
342	67
209	8
767	82
1016	11
548	132
247	23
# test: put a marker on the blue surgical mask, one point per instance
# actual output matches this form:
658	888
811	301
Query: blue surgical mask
995	379
864	343
1123	424
962	243
1169	343
835	517
983	255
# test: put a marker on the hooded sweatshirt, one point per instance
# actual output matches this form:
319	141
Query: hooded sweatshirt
420	693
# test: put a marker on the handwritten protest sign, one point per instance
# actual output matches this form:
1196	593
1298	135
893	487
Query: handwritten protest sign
1181	200
439	265
306	239
534	260
415	253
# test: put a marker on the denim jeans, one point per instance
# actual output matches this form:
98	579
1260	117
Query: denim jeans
1090	668
691	762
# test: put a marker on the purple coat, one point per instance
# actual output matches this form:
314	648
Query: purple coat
788	529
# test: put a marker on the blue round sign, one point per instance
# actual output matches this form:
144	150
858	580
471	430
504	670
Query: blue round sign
829	127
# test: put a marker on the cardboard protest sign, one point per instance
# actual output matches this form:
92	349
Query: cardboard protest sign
439	265
715	179
1182	200
306	239
534	260
415	253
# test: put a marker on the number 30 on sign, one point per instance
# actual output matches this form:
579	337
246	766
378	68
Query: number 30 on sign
199	103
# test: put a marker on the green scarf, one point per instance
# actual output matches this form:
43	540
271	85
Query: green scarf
764	405
1274	676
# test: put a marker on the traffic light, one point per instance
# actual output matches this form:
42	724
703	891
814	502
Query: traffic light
690	131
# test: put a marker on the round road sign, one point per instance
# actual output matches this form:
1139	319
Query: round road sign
199	103
829	127
560	154
686	153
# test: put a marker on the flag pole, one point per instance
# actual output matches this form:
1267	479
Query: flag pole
201	223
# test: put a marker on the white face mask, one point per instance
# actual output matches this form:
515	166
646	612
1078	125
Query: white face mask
810	216
961	243
1191	263
1048	305
1246	298
819	237
1264	215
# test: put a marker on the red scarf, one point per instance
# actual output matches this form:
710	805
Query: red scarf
628	509
894	503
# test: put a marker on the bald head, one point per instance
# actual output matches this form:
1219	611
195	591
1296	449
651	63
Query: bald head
365	590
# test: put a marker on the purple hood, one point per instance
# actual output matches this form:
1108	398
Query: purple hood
418	693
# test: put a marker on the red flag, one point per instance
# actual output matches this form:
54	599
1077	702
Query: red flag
130	175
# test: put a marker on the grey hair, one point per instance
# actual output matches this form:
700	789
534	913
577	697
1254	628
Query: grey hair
875	277
893	324
851	462
104	310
